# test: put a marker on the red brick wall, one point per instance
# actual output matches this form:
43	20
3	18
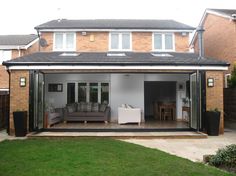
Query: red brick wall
4	77
219	38
19	96
141	42
214	95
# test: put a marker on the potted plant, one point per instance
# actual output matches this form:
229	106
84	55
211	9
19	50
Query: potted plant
20	123
212	122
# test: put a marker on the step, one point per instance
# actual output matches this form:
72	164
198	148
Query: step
122	135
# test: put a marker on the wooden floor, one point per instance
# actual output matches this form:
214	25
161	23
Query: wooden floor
101	125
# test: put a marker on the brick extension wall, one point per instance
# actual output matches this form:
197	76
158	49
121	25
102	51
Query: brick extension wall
214	95
19	96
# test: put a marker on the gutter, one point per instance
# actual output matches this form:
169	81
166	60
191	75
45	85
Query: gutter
108	64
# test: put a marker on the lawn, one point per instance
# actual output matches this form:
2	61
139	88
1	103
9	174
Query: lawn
92	156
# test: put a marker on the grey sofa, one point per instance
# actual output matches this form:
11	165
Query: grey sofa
87	112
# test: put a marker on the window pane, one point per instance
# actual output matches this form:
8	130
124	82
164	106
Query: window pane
82	92
70	93
70	41
157	41
93	87
125	41
5	55
58	41
114	41
168	41
105	93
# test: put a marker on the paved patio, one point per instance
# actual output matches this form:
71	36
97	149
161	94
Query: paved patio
192	149
5	136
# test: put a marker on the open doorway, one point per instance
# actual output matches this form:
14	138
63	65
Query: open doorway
157	92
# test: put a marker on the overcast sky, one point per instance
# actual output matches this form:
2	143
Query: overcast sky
21	16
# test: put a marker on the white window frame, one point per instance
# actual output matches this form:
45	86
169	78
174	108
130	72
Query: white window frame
120	41
88	90
163	42
63	41
226	79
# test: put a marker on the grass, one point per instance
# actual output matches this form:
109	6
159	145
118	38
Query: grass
92	156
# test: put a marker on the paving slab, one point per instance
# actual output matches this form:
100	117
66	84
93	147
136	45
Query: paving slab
5	136
192	149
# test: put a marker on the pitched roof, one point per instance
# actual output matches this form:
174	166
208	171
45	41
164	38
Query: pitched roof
101	58
17	40
227	13
114	24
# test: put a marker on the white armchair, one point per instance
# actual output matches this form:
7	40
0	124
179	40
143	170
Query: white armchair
129	115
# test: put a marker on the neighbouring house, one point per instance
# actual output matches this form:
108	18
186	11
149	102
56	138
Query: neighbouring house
219	36
11	47
116	71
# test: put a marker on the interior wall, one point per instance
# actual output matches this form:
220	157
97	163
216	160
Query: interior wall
126	89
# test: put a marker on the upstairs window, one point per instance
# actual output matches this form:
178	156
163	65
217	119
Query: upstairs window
120	41
64	42
5	55
163	42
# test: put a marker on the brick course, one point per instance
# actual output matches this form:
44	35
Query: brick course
214	95
19	96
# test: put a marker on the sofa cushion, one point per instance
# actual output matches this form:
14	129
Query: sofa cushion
95	114
102	107
89	107
71	107
83	106
78	114
95	107
78	107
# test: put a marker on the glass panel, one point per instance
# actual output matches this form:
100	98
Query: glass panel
114	41
93	87
70	41
70	93
158	41
58	41
40	101
82	92
125	41
104	92
193	97
168	42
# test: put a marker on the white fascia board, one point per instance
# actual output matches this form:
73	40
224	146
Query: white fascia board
112	30
9	47
4	89
31	43
76	67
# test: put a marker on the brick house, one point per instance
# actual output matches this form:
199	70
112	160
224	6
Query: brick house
144	64
11	47
219	36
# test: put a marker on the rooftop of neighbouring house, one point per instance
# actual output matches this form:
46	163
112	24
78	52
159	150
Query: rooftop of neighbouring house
17	40
112	58
114	24
226	12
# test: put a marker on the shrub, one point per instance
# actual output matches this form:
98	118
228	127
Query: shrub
232	80
225	157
